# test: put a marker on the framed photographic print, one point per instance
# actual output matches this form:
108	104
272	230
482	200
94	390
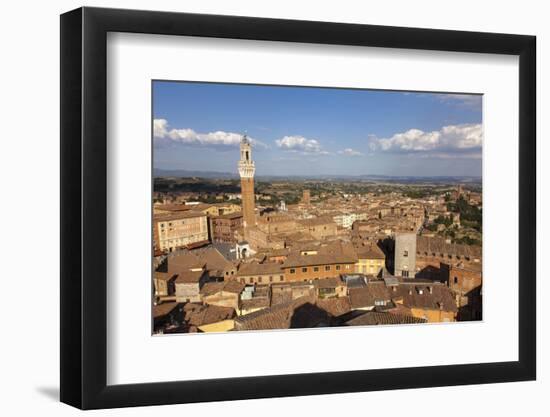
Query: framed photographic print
335	207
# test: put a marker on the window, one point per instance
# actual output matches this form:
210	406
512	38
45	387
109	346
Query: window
456	280
259	279
405	253
292	271
251	280
281	278
327	268
270	278
347	266
304	269
315	269
337	267
405	274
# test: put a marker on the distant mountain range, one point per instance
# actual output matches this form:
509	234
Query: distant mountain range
185	174
181	173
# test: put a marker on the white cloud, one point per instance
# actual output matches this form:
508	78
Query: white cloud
163	135
160	128
300	144
350	152
453	140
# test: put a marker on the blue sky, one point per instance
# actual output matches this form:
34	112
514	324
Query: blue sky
311	131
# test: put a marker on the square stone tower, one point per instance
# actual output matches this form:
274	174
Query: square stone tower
246	172
404	263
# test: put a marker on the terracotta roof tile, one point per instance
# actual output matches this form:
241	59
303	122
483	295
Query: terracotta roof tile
163	309
377	318
199	315
335	306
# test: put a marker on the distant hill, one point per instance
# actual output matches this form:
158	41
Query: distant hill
184	173
181	173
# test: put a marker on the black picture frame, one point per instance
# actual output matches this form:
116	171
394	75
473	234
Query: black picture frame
84	207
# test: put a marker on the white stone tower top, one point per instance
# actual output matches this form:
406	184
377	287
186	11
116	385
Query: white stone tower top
246	164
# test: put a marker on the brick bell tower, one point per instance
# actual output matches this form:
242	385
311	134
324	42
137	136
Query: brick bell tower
246	171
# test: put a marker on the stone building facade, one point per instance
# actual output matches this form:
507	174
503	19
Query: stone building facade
405	255
223	227
179	230
311	267
466	283
189	283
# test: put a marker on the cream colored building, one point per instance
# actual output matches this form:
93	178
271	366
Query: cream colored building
179	230
370	260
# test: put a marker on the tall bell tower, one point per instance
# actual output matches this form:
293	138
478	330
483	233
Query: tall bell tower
246	171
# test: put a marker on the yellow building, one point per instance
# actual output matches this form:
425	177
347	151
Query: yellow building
219	326
434	315
370	259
